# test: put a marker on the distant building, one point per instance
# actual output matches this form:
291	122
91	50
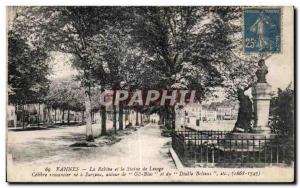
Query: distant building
39	114
224	113
208	115
11	116
194	114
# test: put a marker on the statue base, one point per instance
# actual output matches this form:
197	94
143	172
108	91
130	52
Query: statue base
241	142
261	101
265	130
247	136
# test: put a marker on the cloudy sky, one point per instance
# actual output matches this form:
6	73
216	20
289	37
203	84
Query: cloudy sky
61	66
281	66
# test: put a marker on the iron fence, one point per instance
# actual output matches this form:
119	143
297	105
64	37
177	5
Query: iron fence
220	148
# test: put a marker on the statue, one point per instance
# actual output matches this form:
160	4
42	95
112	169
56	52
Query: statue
261	93
261	72
245	113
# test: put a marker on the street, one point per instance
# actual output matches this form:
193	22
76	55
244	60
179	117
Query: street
40	147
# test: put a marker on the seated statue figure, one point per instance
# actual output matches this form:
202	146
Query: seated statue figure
243	122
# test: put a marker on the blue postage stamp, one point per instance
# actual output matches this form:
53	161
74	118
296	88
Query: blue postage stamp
262	30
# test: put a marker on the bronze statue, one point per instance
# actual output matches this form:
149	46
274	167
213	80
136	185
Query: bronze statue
245	113
261	72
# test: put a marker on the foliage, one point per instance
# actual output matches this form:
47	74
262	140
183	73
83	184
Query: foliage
183	45
65	94
28	70
282	120
282	111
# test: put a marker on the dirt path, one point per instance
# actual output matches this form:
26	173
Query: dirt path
138	148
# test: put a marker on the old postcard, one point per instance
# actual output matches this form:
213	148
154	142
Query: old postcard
150	94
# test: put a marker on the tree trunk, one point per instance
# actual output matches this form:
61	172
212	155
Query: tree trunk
167	118
161	117
82	117
103	120
137	118
100	117
141	118
49	116
129	116
63	116
28	115
93	117
120	117
89	128
55	116
39	113
22	117
91	114
115	118
68	116
52	120
173	117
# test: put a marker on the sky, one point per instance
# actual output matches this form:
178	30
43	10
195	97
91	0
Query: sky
61	66
281	66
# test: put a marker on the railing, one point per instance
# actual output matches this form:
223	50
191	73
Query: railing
192	134
219	148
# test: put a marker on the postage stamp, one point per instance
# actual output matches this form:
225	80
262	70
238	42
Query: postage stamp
262	30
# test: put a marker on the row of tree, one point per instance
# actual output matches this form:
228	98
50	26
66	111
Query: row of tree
128	48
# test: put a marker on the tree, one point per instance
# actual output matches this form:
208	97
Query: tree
28	68
237	69
72	30
65	95
125	67
282	120
282	111
182	46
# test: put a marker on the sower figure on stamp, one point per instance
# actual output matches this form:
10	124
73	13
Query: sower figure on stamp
259	28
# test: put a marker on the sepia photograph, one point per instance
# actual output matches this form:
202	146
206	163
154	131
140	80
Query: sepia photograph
146	94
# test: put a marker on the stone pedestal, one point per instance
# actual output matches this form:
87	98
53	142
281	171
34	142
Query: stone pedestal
261	93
